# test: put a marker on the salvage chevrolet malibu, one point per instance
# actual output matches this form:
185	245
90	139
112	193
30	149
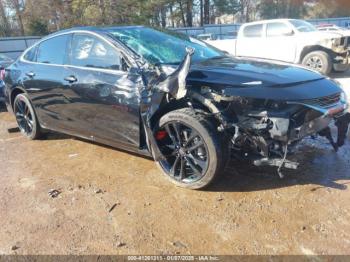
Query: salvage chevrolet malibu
172	97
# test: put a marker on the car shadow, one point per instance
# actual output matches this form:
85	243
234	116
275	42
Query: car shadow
49	135
2	107
243	177
256	179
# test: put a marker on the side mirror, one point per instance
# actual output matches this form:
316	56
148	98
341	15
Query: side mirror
289	32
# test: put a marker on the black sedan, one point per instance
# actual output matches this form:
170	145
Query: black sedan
5	61
172	97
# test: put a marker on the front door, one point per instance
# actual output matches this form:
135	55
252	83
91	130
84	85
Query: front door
104	96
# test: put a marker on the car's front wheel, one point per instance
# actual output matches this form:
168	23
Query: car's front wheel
194	152
319	61
25	117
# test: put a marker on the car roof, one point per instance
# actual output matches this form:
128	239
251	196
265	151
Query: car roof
271	20
97	29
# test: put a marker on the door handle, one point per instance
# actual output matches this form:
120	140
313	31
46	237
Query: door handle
71	79
30	74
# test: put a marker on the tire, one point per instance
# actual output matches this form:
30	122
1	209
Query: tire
197	134
319	61
26	118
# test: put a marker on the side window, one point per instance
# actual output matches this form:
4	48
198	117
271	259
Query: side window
53	51
253	30
30	55
89	51
277	29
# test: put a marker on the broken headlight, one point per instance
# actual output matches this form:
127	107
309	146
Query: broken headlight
343	97
344	100
336	41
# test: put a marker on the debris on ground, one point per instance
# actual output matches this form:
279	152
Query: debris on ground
120	244
54	193
72	155
14	247
13	130
178	244
98	191
220	198
111	209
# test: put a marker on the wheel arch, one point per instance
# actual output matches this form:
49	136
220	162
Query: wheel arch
308	49
14	92
186	102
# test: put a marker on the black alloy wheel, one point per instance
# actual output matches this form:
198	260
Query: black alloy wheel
25	117
186	154
194	153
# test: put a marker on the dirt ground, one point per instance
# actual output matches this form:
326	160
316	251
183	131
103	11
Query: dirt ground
111	202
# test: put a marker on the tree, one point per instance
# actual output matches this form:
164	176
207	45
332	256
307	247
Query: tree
324	9
18	7
5	29
282	9
189	16
206	12
38	27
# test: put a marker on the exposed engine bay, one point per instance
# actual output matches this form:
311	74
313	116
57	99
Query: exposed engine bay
263	130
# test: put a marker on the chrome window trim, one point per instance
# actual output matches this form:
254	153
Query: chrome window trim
113	71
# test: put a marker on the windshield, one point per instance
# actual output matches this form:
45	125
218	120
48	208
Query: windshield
303	26
159	47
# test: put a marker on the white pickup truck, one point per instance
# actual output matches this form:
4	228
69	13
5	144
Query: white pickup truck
293	41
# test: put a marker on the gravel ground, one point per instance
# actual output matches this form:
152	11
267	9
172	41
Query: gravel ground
65	196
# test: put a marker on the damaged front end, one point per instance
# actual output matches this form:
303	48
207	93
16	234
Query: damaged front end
265	131
261	127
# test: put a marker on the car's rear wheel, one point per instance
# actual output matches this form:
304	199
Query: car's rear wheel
26	117
194	153
319	61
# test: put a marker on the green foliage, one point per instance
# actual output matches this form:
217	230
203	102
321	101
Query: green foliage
38	17
37	27
270	9
227	6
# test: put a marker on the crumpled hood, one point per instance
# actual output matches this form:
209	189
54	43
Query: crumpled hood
322	34
319	35
260	79
229	71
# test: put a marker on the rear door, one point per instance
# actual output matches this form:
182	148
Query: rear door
43	80
104	95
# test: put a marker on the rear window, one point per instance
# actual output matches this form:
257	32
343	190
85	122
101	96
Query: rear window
53	51
253	30
30	55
